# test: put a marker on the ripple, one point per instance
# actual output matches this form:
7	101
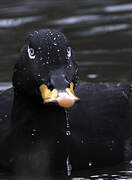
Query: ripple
76	19
119	8
104	51
81	178
103	29
4	86
92	76
108	28
94	19
7	23
96	63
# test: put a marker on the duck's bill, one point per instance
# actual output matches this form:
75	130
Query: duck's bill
64	98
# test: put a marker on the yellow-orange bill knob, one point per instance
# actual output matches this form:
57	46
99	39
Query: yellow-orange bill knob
66	102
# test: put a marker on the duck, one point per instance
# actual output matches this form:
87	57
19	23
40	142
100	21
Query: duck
33	122
52	122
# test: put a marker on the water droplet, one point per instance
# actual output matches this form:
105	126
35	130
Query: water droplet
47	62
90	163
33	134
68	133
6	115
58	50
55	43
67	125
54	38
38	75
69	166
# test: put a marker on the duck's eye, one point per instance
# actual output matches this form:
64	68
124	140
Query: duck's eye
31	53
69	53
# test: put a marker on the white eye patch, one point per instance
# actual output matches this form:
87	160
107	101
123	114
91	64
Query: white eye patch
31	53
69	52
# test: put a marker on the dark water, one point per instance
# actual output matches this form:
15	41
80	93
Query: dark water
100	32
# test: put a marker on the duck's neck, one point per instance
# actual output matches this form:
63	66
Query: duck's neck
39	128
33	113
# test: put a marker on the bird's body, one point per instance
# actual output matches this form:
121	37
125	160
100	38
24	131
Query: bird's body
100	125
39	128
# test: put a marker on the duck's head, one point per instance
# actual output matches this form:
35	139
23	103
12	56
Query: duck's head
46	68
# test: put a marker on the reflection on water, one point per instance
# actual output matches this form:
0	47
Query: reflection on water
100	31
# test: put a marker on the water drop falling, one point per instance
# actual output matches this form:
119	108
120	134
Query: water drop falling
69	166
68	132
